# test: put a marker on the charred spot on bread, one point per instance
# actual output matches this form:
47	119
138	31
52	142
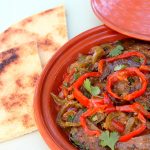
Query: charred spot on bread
7	30
1	83
13	101
26	121
47	11
7	58
34	79
24	22
19	83
48	43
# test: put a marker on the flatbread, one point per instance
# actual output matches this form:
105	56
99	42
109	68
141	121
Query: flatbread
19	70
15	37
48	28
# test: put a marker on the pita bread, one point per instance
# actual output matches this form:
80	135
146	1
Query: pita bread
19	70
14	37
48	28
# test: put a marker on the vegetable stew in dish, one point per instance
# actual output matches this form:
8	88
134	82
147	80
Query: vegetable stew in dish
104	100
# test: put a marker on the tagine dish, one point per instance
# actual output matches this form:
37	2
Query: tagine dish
104	99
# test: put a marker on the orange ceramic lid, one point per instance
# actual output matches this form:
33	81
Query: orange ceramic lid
129	17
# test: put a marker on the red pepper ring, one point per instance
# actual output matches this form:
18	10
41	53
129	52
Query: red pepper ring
101	65
90	112
76	92
110	109
107	100
123	75
122	56
135	107
140	109
128	54
144	68
138	131
81	79
101	101
125	108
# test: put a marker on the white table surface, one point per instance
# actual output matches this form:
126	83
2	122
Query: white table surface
80	17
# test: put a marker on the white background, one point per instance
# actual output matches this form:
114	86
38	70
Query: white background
80	17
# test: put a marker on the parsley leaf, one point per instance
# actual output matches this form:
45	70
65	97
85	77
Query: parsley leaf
116	51
119	67
87	85
93	90
109	139
76	76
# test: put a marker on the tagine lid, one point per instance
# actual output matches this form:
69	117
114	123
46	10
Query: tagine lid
129	17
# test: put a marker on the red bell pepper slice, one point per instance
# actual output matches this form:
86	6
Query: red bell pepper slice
126	55
76	92
122	56
135	107
102	101
96	102
81	79
140	109
110	109
86	129
125	108
101	65
144	68
69	75
136	132
88	113
123	75
107	100
81	98
118	125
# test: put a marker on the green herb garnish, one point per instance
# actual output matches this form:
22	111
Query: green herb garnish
146	107
70	118
76	76
93	90
109	139
116	51
119	67
94	118
138	60
131	80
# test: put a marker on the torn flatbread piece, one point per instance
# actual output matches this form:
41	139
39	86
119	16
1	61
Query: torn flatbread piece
48	28
19	70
